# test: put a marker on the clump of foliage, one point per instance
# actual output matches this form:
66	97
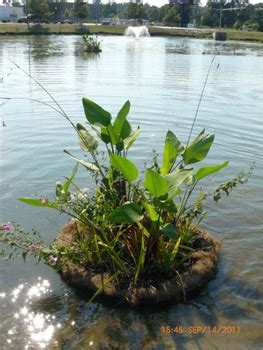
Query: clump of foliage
134	226
38	29
92	43
81	10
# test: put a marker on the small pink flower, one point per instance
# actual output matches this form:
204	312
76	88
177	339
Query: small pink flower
43	201
53	260
6	227
33	248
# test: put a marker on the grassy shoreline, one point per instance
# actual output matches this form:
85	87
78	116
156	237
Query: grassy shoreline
72	29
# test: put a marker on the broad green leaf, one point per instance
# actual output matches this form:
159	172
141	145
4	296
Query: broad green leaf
95	114
199	148
68	182
178	177
109	135
169	231
150	211
119	122
205	171
177	144
128	213
87	165
105	136
124	166
169	156
155	183
128	142
126	130
44	203
87	142
172	148
120	146
169	205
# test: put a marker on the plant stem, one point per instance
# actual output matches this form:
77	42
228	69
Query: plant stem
200	100
184	201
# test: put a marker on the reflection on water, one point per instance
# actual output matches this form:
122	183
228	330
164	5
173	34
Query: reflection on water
38	327
216	48
164	88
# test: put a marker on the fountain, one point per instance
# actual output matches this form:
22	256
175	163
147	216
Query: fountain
137	31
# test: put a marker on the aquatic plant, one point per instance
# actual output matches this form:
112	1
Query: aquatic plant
133	226
92	44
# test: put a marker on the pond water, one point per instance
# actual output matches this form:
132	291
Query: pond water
163	78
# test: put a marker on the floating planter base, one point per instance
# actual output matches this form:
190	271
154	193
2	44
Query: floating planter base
202	269
93	50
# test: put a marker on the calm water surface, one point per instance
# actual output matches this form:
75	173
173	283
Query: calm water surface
163	85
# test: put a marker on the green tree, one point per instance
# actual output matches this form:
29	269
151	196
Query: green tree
131	10
233	13
172	17
81	10
140	13
109	10
135	11
153	14
67	14
40	8
257	17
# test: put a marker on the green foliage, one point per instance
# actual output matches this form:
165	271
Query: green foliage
135	11
45	203
40	8
92	44
81	10
126	214
87	142
172	16
132	227
172	148
203	172
124	166
198	149
95	114
38	29
155	183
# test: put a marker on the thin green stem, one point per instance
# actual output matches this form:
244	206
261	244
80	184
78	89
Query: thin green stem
184	201
200	99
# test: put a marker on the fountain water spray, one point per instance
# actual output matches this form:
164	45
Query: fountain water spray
137	31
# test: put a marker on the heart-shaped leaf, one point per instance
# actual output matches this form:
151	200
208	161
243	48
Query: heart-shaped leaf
199	148
172	148
124	166
95	114
169	231
128	213
155	183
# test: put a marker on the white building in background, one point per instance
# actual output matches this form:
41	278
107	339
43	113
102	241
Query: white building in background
10	2
10	13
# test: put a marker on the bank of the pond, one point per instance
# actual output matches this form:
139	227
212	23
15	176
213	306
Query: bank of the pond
71	29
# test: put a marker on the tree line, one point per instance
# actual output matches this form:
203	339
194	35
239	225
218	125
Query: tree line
235	13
